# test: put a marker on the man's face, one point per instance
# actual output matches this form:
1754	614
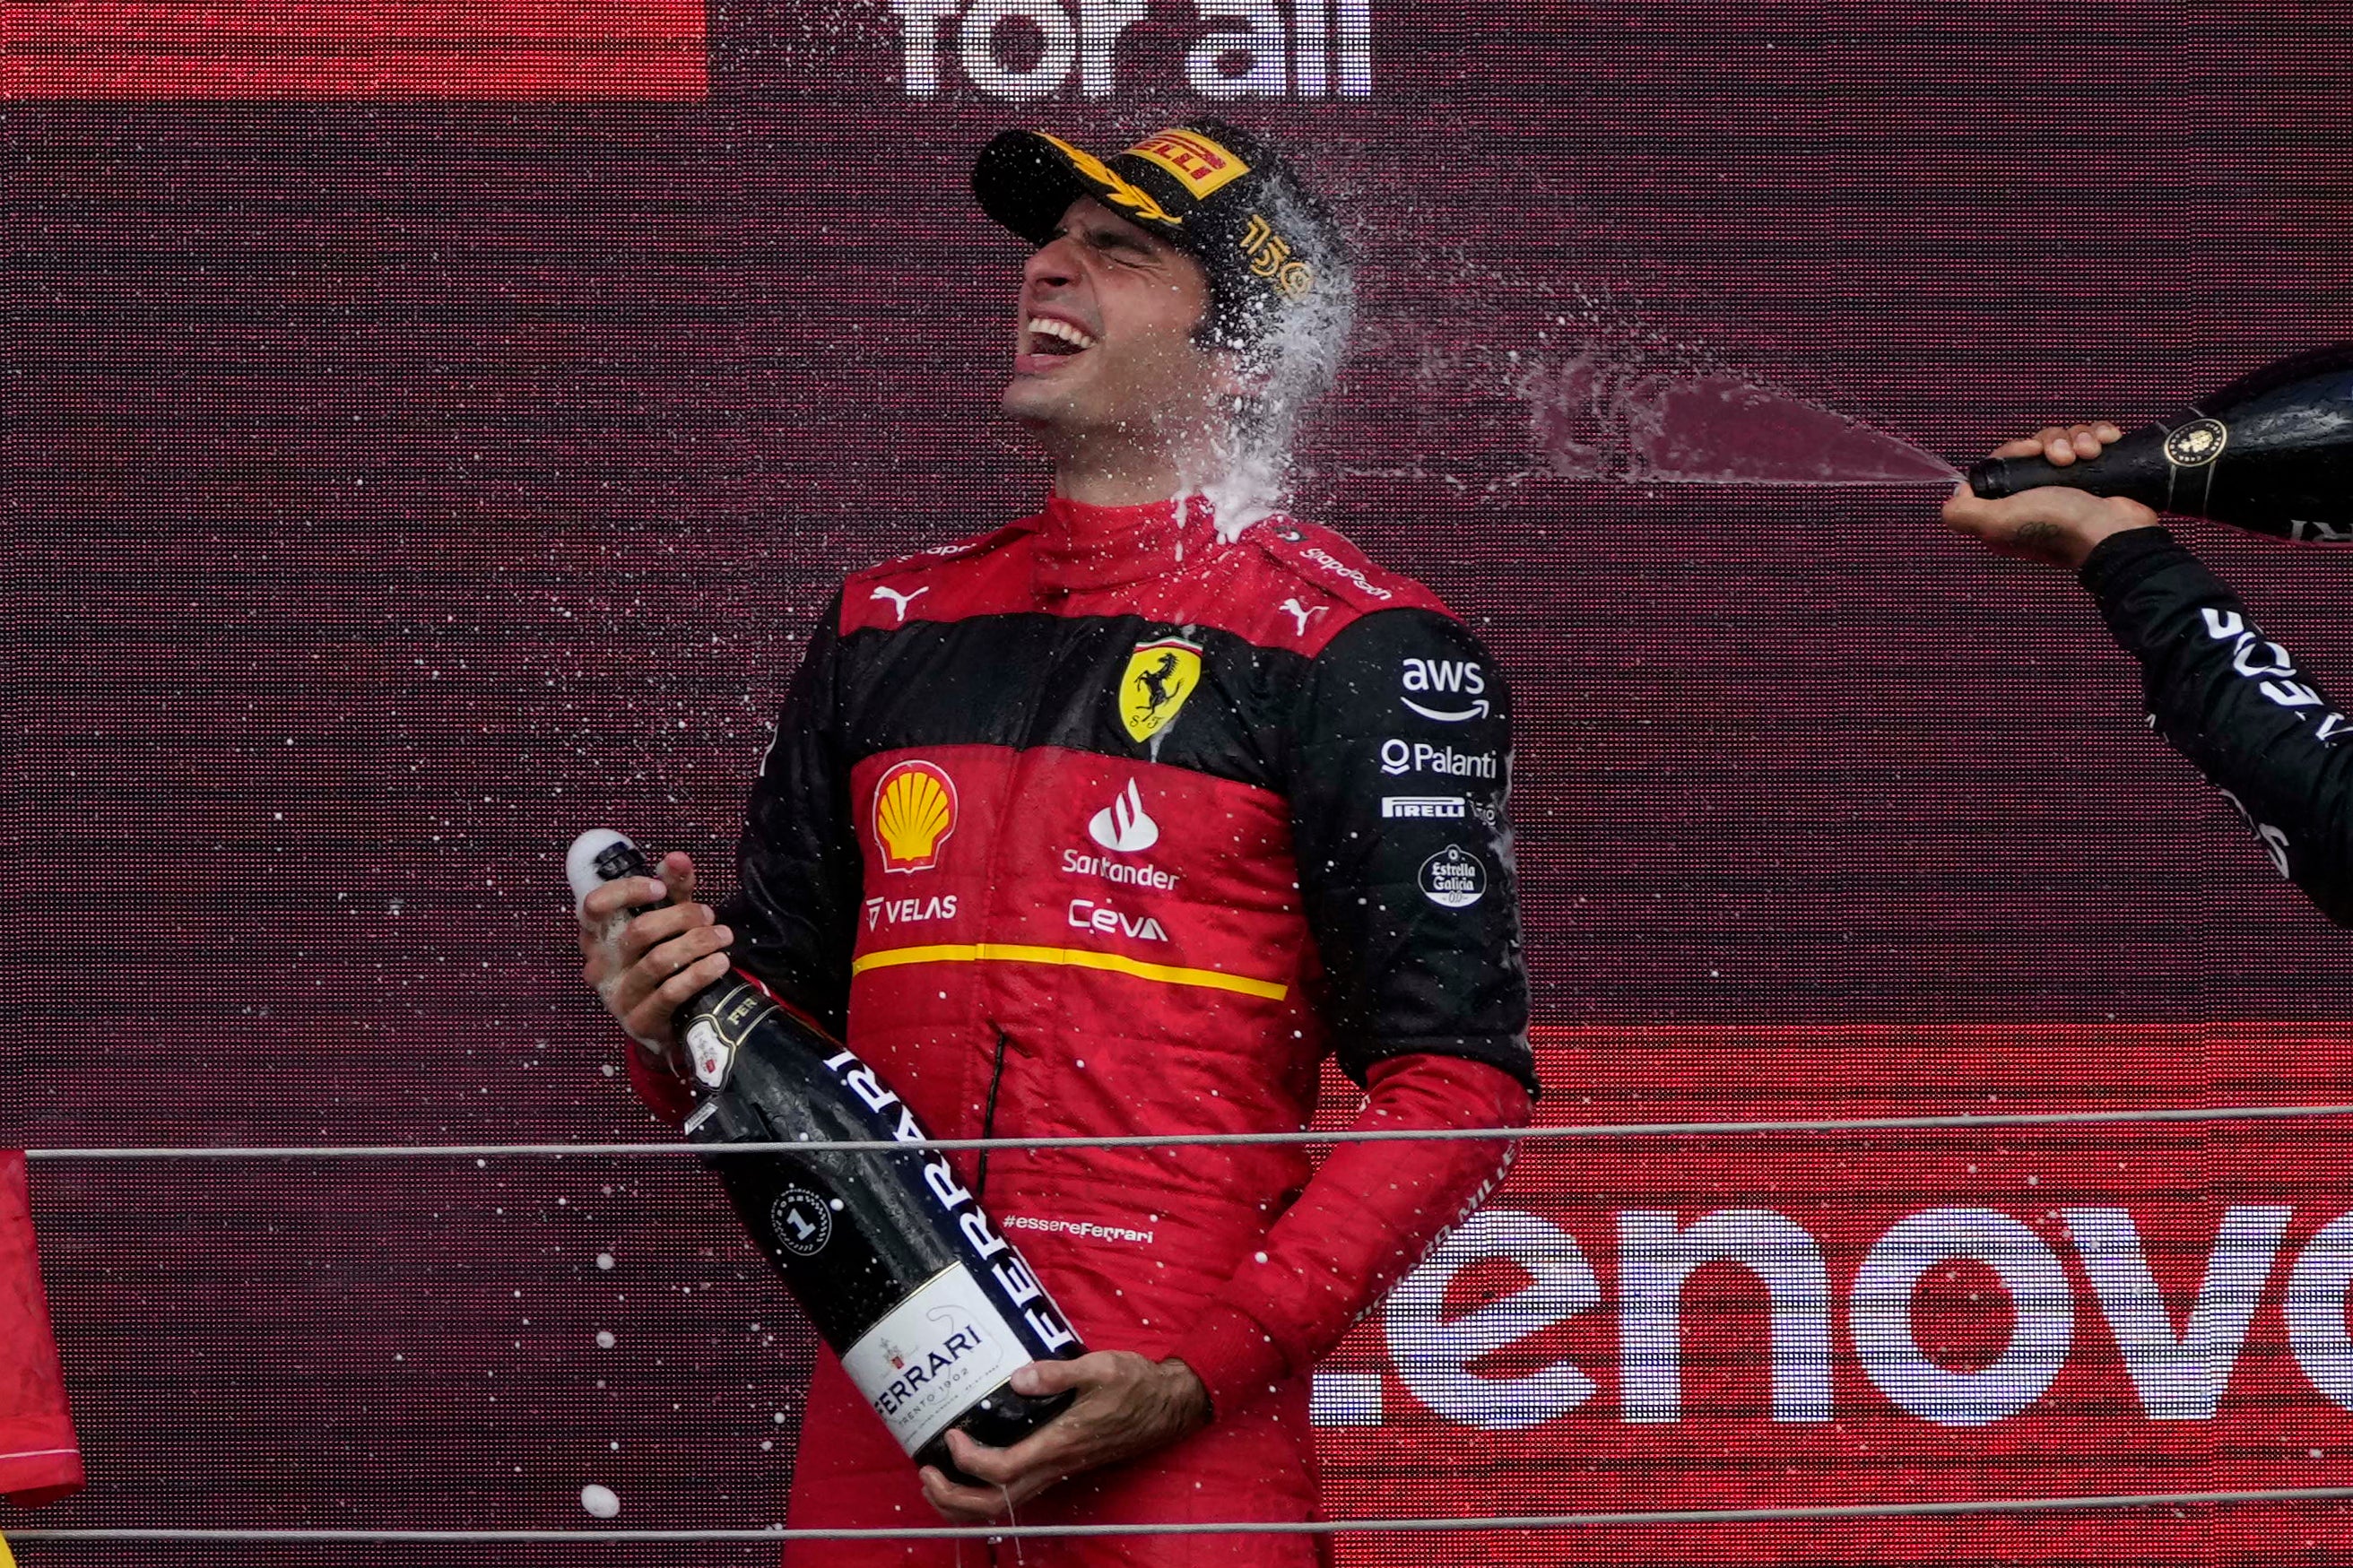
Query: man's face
1104	342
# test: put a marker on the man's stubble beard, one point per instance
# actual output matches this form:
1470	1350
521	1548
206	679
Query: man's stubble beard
1191	442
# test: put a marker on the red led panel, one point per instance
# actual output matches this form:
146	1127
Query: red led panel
162	50
400	481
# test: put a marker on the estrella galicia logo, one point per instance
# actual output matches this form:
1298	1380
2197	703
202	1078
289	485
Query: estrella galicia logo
1453	878
803	1222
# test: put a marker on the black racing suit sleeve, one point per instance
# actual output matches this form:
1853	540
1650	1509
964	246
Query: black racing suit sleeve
2235	704
794	909
1401	765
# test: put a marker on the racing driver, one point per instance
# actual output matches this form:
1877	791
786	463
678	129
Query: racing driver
1119	819
2236	704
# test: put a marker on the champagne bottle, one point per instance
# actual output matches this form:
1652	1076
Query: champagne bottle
928	1305
2272	452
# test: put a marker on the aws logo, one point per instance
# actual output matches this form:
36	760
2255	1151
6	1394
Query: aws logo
1460	683
914	811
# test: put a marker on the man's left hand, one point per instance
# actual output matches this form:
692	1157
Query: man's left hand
1126	1405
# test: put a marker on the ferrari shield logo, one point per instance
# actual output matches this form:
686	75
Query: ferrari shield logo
1160	675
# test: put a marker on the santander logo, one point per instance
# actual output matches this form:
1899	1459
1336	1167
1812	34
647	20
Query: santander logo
1123	826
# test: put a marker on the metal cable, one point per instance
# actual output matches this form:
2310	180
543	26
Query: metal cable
1819	1514
1961	1119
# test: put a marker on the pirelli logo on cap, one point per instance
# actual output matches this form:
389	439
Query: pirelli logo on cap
1199	164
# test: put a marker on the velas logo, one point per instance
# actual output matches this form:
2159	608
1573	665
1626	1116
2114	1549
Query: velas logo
1122	826
914	811
1198	162
910	911
1158	678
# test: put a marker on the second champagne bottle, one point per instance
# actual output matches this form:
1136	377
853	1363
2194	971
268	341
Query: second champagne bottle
2272	453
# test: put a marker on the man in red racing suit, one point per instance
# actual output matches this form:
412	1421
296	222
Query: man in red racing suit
1120	820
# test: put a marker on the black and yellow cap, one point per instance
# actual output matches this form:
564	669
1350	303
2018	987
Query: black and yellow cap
1214	191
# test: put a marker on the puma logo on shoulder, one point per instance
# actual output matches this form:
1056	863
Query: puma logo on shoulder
899	601
1301	613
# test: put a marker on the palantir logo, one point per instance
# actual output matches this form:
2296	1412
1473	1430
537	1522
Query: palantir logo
1027	49
1122	826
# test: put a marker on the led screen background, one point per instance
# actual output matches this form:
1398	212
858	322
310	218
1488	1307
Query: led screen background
401	484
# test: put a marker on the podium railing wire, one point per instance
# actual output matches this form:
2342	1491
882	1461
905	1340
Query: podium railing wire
2125	1502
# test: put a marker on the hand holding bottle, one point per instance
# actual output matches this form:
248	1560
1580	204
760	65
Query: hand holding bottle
1126	1405
932	1309
2270	453
643	966
2052	522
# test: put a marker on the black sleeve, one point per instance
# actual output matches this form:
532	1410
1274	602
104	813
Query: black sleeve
1401	760
2236	705
795	911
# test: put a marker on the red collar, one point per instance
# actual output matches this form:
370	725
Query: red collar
1079	547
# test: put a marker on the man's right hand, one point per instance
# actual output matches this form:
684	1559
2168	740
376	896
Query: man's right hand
2051	523
643	969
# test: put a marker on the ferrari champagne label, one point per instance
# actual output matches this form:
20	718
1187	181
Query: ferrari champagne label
937	1352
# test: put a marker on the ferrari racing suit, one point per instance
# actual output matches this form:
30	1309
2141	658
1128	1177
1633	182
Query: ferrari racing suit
1101	824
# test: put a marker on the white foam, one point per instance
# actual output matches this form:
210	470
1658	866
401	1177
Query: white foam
580	861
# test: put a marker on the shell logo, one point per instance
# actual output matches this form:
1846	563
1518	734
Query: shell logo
914	812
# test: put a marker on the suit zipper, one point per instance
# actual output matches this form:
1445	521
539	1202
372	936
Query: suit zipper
989	1120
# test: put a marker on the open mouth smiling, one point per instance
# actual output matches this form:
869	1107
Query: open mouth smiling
1050	338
